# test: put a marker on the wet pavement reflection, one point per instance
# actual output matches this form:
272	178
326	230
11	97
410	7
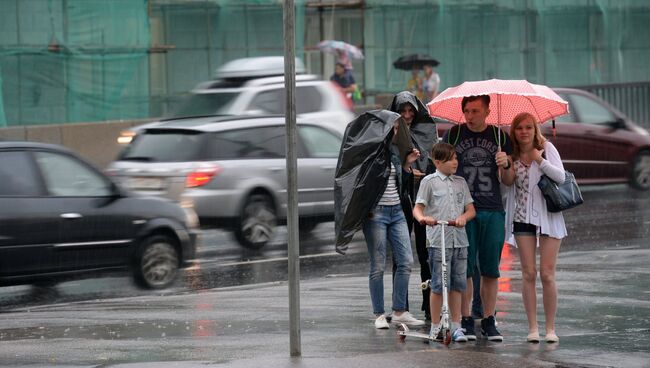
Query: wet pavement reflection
603	317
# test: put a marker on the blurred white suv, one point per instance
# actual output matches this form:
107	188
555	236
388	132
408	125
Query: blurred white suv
232	171
255	86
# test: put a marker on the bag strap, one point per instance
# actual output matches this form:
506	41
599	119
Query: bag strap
494	132
451	131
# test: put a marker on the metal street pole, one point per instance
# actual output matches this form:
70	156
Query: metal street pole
292	178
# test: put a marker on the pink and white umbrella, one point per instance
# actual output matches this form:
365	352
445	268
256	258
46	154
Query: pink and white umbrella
507	99
343	51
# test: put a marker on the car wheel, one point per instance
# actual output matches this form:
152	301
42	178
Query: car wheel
258	221
156	265
640	177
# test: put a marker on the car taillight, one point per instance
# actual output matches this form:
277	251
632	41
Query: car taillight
111	171
201	176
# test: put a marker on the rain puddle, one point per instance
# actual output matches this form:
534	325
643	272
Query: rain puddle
126	331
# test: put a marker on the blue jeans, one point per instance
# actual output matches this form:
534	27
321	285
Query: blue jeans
387	225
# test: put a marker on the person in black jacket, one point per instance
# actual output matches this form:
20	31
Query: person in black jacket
424	135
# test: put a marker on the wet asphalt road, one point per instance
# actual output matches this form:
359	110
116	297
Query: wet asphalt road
602	278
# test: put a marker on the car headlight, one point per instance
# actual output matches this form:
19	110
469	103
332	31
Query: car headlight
126	136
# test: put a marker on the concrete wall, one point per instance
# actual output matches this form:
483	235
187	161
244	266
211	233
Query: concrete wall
97	142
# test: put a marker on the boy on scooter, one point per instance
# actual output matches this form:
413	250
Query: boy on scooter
444	196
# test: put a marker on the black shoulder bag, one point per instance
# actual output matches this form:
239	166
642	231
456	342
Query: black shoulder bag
560	196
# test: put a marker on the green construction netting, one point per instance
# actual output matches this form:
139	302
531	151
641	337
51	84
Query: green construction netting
73	60
207	34
554	42
127	59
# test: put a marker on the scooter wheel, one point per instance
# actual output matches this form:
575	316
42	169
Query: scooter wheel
447	337
425	285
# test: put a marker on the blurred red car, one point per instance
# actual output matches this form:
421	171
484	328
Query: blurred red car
598	143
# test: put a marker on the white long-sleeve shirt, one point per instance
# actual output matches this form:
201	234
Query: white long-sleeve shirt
549	223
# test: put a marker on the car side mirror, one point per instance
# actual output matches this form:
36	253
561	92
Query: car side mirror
619	123
116	191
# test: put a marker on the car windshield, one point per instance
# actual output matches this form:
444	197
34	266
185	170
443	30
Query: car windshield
204	104
164	146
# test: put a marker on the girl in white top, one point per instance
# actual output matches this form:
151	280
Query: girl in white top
528	222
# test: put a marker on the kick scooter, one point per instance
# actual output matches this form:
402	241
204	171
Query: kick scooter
445	325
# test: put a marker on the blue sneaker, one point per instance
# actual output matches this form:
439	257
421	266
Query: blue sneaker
458	335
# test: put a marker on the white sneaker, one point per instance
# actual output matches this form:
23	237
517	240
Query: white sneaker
381	323
406	318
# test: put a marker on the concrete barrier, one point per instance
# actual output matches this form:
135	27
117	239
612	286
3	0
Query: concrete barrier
96	142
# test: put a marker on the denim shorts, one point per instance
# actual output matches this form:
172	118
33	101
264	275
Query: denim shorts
456	269
523	229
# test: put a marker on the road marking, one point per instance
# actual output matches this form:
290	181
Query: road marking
286	259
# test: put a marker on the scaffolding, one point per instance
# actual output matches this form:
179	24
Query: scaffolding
96	60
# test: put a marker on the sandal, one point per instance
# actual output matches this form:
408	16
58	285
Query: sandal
552	338
533	337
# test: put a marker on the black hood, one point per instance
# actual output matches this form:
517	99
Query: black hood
405	97
423	128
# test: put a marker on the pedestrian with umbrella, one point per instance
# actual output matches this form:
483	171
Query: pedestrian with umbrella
483	154
414	85
529	222
431	82
342	76
415	63
482	160
344	80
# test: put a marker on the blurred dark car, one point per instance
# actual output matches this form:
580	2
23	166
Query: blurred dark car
598	143
60	217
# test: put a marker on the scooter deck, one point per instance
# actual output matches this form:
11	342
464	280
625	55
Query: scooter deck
419	335
403	331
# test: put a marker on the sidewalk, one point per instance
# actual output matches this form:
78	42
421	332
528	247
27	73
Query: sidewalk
337	323
337	330
603	316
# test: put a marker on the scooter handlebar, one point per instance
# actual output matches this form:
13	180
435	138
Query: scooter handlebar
436	222
448	223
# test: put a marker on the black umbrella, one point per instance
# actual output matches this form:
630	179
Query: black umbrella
408	62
